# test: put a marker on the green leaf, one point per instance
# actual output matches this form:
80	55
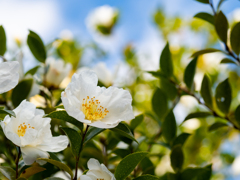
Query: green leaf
219	4
160	103
177	158
157	74
3	41
197	173
8	112
190	72
146	177
136	121
169	127
128	164
197	115
21	178
36	46
21	91
203	1
122	152
205	51
235	38
216	126
147	166
8	172
63	115
123	130
221	26
166	65
180	139
168	88
59	106
75	140
206	91
223	96
237	114
226	60
206	17
32	71
27	173
53	178
60	165
92	133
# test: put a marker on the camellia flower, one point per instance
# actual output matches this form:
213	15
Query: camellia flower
57	71
8	75
97	171
94	105
31	132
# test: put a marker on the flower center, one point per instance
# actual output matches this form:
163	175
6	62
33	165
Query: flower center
22	129
92	109
100	179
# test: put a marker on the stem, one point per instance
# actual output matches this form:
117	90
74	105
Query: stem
81	147
3	58
17	160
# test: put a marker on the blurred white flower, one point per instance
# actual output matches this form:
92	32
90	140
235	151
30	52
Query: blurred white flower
102	19
9	75
97	171
104	75
31	132
57	71
94	105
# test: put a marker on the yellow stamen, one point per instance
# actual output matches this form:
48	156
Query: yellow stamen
22	129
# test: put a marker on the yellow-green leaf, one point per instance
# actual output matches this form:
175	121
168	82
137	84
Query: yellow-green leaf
3	41
31	171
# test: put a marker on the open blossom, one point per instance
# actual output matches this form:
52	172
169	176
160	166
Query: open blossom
57	71
31	132
8	75
97	171
94	105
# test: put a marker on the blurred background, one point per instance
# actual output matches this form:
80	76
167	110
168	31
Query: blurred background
122	44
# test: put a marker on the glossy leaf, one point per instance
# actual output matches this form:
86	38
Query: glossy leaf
21	91
221	26
180	139
63	115
160	103
60	165
206	91
235	38
169	127
226	61
128	164
92	133
123	130
166	65
36	46
136	121
3	41
8	172
177	158
205	51
190	72
217	125
206	17
32	71
75	140
223	96
197	115
146	177
27	173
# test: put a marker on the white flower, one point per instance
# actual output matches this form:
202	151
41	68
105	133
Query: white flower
8	75
31	132
97	171
57	71
94	105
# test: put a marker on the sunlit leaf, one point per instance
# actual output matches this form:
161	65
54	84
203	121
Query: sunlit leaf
190	72
206	17
177	158
31	171
3	41
206	91
205	51
235	38
166	65
221	26
216	126
169	127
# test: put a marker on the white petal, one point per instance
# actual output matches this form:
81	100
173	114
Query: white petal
9	75
93	164
30	155
85	177
25	110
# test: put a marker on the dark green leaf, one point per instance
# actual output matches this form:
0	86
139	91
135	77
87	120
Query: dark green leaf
21	91
216	126
197	115
205	51
75	140
235	38
8	172
122	152
190	72
197	173
168	88
128	164
3	41
177	158
237	114
226	60
223	96
36	46
32	71
166	65
147	166
53	178
146	177
206	91
203	1
157	74
123	130
169	127
221	26
205	16
180	139
63	115
136	121
160	103
92	133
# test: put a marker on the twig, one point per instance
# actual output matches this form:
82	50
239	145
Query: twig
17	160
